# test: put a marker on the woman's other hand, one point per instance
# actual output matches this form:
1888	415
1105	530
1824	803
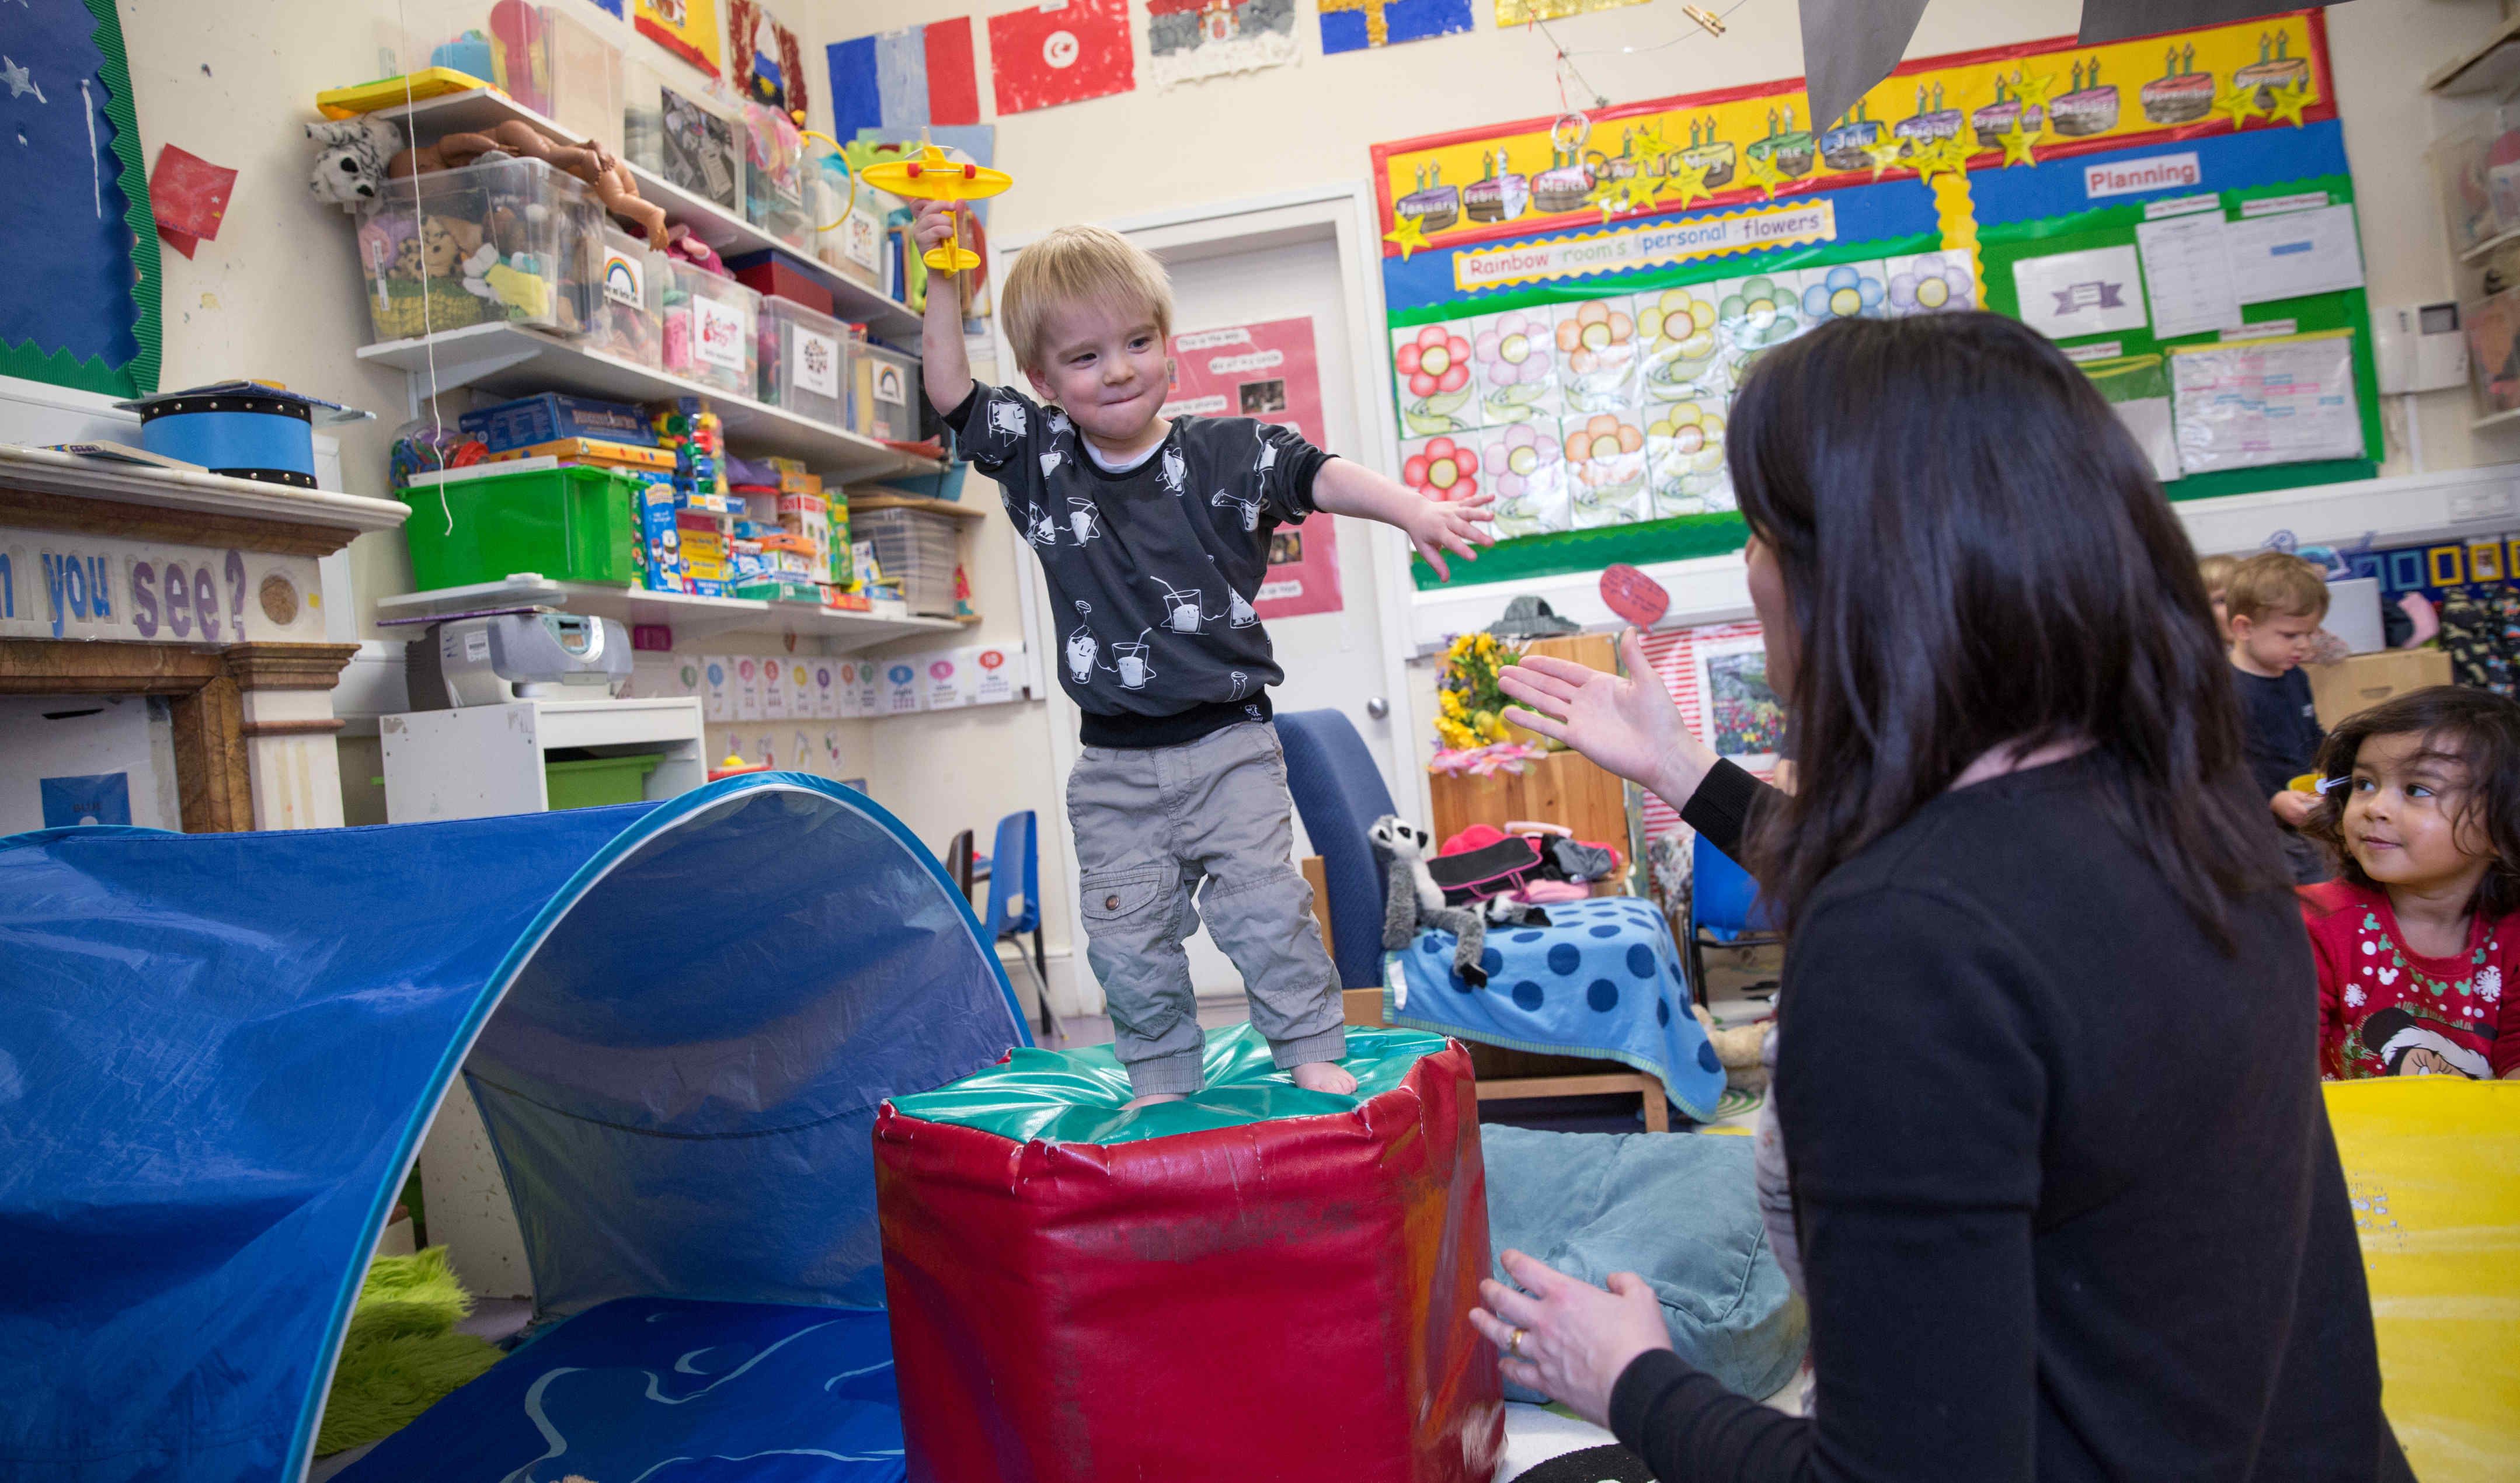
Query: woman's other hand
1628	725
1574	1338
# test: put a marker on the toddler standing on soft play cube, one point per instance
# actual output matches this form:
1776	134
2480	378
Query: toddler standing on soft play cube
1153	534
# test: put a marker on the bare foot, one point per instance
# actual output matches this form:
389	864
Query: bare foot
1149	1100
1324	1076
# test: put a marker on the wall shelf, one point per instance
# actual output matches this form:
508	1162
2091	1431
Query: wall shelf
2489	68
484	109
503	357
693	618
953	510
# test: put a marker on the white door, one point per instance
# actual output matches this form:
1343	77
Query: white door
1308	254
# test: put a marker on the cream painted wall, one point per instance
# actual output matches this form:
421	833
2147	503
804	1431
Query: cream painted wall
277	293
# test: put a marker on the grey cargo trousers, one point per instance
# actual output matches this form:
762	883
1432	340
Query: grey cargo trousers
1152	824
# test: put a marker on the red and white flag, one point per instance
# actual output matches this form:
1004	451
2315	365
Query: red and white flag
1043	56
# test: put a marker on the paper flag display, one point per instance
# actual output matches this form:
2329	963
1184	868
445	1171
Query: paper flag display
688	28
188	194
1349	25
906	79
1043	56
765	62
1189	39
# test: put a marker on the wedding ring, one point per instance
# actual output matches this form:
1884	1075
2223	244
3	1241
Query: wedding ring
1514	1344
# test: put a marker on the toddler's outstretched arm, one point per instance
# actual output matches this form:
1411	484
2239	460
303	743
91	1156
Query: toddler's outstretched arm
1345	487
942	365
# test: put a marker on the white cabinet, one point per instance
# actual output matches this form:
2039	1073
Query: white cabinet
479	760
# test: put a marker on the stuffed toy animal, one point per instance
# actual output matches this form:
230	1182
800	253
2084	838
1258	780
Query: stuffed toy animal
1737	1047
1412	899
350	169
613	184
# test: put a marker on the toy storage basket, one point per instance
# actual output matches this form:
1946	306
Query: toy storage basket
806	362
710	326
508	240
571	523
884	403
918	548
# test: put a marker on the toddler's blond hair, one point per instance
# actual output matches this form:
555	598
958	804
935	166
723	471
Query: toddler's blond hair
2217	571
1073	265
2272	582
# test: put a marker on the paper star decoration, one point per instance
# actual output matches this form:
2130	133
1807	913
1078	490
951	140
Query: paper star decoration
1688	183
1945	157
1408	233
2239	103
1634	194
1761	170
1885	156
2289	99
2033	93
2016	146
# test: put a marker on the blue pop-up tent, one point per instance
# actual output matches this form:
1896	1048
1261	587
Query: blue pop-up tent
218	1053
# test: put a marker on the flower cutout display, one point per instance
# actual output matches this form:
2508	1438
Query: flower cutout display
1685	452
1754	314
1684	355
1441	469
1433	367
1526	467
1605	461
1846	292
1930	283
1599	339
1517	364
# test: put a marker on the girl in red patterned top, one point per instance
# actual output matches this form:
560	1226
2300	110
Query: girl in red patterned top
2418	943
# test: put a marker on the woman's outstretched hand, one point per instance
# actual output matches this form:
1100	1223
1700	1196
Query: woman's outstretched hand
1566	1338
1628	725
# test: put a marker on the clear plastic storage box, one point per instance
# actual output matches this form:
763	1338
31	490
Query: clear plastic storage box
546	57
626	315
918	548
806	362
508	240
710	326
885	395
774	176
689	144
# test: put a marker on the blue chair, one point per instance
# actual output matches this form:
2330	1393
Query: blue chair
1014	901
1338	793
1723	911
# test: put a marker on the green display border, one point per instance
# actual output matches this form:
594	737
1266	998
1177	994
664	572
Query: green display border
137	377
1999	248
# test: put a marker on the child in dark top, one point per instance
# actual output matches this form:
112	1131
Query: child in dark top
2273	604
1154	537
2416	944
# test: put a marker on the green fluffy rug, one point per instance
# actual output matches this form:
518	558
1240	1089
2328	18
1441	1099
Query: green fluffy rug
402	1352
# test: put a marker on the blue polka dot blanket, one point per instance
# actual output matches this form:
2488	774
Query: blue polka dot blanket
1602	980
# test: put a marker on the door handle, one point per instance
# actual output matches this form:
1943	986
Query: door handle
1378	707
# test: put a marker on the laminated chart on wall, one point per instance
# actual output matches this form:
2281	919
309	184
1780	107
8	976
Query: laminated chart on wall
1574	303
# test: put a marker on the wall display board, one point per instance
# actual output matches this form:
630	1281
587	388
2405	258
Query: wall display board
1573	302
1268	372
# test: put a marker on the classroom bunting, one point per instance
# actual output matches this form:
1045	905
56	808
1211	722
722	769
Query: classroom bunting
1349	25
1043	56
1524	11
1191	39
907	79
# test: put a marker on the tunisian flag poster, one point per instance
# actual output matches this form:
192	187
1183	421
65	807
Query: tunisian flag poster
1043	56
1267	372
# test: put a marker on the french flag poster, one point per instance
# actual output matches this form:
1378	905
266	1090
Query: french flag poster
905	79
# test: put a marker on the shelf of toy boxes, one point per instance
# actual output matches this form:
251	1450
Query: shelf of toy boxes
731	235
517	359
693	618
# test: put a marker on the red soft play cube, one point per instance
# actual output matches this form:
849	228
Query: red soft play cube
1283	1301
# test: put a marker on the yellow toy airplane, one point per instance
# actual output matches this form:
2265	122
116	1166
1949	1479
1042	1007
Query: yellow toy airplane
933	177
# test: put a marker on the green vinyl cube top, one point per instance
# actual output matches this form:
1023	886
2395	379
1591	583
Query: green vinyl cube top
572	523
1076	1097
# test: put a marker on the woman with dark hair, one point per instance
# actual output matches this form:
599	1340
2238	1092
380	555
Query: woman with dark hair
2055	1161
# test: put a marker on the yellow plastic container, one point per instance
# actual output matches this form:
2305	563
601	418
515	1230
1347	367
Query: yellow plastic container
2432	1165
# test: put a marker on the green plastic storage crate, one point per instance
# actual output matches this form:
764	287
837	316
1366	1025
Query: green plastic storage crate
598	781
571	524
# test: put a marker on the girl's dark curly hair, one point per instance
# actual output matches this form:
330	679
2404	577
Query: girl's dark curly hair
2478	727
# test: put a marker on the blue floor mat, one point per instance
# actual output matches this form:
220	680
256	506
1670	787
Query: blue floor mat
666	1390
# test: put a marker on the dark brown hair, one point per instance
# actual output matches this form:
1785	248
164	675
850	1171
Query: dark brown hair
2477	727
1975	553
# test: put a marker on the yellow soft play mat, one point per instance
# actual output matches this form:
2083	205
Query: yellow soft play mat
2432	1165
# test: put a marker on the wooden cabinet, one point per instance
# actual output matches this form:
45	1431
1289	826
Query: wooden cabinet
1561	787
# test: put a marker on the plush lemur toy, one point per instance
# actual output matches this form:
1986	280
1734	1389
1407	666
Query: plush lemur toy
1411	900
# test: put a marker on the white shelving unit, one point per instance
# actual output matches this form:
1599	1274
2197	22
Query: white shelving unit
486	107
502	357
693	618
479	760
